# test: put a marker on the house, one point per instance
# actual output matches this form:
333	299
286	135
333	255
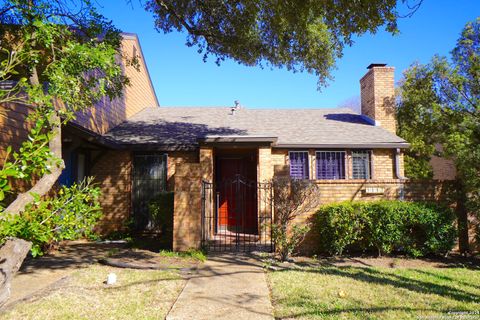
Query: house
219	161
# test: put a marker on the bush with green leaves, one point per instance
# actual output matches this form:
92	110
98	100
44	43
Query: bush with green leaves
414	228
287	240
161	213
70	215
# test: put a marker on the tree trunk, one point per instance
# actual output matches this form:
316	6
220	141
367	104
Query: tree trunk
462	218
14	251
12	254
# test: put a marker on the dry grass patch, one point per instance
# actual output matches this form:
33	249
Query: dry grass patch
138	294
331	292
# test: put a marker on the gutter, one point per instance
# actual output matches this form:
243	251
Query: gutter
392	145
401	194
230	139
397	164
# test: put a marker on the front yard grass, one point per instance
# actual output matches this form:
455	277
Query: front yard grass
352	292
138	294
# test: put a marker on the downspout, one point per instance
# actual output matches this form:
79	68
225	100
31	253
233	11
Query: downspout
399	175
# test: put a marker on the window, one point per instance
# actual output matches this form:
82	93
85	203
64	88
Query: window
77	167
330	165
361	164
298	164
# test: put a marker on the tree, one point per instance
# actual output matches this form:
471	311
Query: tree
291	198
56	57
440	106
298	35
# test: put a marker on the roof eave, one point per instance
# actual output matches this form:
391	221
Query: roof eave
237	139
386	145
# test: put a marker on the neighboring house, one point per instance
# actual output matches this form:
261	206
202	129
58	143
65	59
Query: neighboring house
219	161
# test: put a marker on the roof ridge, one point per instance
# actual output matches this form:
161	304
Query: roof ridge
261	108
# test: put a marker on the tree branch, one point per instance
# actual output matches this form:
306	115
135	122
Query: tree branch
46	182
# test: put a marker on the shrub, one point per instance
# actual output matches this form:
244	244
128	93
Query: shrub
70	215
386	226
161	213
339	225
287	240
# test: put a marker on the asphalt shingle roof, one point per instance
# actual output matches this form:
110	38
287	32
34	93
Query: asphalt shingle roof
182	127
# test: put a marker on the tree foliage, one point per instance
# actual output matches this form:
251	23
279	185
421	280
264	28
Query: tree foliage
298	35
439	113
67	216
57	58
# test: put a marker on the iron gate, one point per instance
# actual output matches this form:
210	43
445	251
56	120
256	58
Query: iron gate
237	215
149	181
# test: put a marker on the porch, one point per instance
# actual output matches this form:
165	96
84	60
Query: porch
223	202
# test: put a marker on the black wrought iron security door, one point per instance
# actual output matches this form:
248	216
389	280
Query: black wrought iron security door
149	180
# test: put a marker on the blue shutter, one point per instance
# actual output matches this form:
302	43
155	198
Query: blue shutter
299	164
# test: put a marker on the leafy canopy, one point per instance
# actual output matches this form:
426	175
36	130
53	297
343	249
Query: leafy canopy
298	35
439	112
57	57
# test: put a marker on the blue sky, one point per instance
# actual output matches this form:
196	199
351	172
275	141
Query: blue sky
181	78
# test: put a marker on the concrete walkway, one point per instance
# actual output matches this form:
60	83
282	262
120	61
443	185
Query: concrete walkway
227	287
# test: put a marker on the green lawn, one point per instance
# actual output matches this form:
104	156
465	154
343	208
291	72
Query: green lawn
329	292
138	294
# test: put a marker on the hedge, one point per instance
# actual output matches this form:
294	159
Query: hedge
414	228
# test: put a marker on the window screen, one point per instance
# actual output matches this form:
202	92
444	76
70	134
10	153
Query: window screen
361	165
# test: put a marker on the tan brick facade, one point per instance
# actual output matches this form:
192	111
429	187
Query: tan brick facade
175	159
137	96
187	207
113	173
265	164
378	96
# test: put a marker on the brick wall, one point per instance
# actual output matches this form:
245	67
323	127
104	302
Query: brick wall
265	164
443	169
187	207
113	173
383	164
378	96
175	159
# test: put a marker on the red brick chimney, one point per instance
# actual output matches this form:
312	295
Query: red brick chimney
377	90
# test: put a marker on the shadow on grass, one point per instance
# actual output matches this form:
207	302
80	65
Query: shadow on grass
369	275
365	311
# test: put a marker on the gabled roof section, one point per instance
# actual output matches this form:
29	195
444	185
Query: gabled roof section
182	128
140	94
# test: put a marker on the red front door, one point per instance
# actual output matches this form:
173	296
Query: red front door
236	189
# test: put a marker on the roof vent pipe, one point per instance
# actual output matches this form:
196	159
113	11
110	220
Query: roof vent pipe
236	107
